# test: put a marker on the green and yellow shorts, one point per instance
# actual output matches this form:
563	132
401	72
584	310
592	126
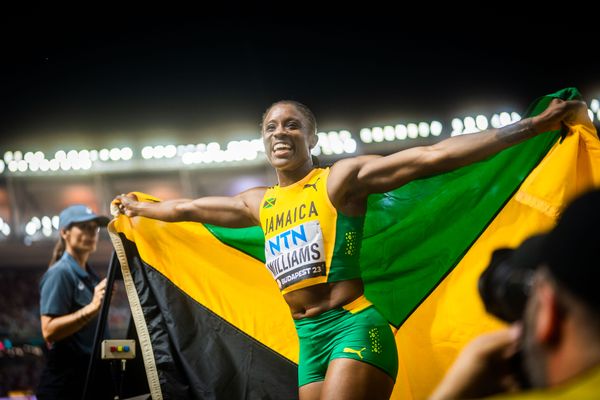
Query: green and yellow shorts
356	331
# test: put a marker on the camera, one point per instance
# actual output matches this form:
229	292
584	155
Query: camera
505	284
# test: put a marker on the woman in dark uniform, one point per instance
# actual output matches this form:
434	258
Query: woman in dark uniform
71	296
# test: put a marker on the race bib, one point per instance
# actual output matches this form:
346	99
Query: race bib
296	254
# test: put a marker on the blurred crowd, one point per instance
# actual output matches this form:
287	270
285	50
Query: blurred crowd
21	344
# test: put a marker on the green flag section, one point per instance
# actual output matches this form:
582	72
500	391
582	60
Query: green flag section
452	314
424	246
416	234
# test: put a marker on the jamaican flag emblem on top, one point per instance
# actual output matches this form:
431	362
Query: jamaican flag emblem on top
270	202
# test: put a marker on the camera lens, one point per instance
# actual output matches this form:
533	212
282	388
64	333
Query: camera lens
505	284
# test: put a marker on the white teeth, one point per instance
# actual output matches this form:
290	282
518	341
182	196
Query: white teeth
281	146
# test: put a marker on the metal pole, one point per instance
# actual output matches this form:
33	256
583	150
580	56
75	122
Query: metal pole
101	326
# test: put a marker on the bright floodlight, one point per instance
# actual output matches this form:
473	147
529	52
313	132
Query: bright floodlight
159	151
115	153
401	131
147	152
436	128
457	126
336	144
365	135
73	155
54	164
377	134
413	131
201	147
30	228
126	153
44	165
423	129
22	165
482	122
65	165
84	154
389	133
104	154
170	151
470	125
36	222
187	158
350	146
86	163
495	121
324	144
213	147
60	155
504	119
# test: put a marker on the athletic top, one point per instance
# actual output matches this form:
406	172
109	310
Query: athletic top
308	241
64	289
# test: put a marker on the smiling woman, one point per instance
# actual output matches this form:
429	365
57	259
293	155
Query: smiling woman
295	117
71	296
313	221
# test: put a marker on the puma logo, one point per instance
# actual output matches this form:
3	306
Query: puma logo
349	350
312	185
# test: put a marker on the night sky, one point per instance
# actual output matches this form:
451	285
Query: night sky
209	73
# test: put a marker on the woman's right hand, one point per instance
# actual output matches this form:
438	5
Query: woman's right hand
124	204
99	292
93	308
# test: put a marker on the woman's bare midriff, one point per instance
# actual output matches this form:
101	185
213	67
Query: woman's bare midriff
315	300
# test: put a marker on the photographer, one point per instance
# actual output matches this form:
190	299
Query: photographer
557	344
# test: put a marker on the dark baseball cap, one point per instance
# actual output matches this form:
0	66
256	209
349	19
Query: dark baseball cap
79	213
570	250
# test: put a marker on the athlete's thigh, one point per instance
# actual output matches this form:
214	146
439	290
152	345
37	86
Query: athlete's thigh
349	379
311	391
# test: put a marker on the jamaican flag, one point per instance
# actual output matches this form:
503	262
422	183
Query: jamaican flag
212	324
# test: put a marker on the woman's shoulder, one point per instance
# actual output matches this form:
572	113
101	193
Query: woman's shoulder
60	270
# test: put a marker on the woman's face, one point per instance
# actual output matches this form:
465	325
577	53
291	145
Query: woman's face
287	137
82	236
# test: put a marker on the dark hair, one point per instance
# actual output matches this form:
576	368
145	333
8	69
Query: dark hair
315	161
304	110
59	250
570	248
